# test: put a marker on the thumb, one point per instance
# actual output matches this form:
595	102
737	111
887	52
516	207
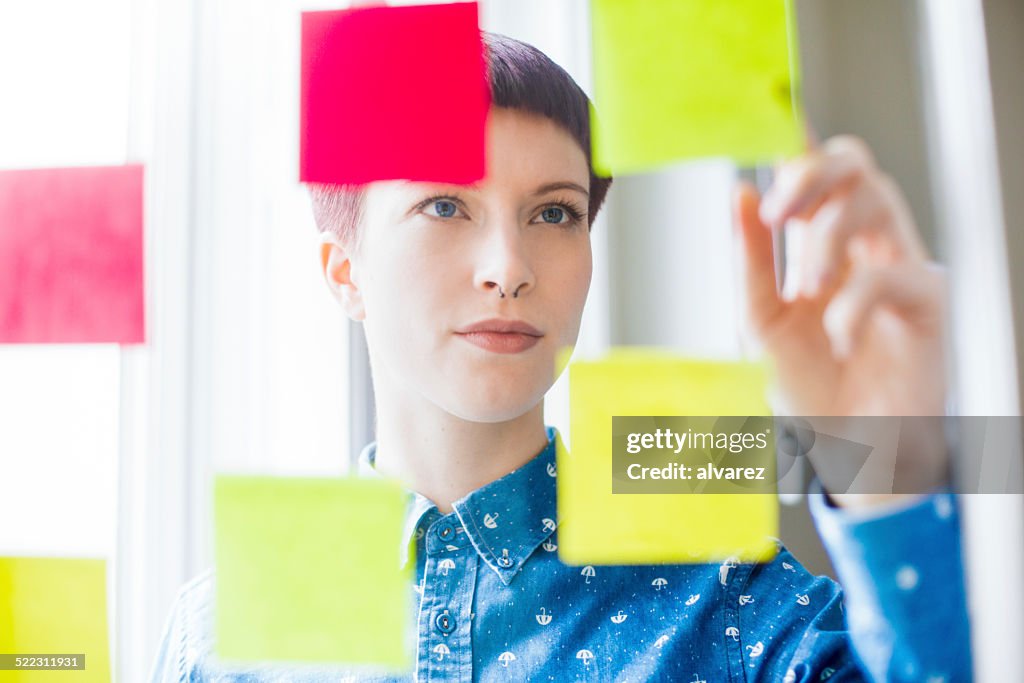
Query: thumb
763	302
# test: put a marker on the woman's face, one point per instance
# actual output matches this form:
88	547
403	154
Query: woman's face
435	259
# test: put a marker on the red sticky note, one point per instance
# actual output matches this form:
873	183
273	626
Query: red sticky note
71	255
393	93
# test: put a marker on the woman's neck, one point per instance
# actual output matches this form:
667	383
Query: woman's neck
444	457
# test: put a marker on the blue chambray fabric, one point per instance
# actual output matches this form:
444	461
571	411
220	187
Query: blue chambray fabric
493	602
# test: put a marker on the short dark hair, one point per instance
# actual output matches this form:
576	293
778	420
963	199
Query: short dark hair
521	77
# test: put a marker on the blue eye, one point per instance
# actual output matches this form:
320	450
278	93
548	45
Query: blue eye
552	214
444	208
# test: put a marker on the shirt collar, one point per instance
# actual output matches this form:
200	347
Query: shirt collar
505	520
417	504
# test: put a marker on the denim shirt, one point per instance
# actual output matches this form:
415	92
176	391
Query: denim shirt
493	602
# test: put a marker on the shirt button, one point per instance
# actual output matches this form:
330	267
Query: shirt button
505	561
445	531
445	622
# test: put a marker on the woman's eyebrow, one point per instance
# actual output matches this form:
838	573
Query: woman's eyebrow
560	185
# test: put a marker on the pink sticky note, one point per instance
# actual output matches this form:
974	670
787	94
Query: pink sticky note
71	255
393	92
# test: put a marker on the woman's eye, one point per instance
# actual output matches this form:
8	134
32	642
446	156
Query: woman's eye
553	214
442	208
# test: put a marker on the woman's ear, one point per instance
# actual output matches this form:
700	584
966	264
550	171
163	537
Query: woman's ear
337	264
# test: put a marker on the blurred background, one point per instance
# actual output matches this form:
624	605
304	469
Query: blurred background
250	366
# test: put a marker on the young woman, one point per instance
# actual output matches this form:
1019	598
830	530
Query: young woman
467	292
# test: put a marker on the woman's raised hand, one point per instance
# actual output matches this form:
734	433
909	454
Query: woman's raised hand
859	327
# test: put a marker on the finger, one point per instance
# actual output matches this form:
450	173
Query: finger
858	210
907	239
811	143
807	180
758	258
916	293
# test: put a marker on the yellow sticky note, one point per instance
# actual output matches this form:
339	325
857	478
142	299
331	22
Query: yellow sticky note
54	606
680	79
308	571
599	526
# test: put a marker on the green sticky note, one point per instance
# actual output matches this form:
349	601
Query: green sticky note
55	606
308	571
601	527
682	79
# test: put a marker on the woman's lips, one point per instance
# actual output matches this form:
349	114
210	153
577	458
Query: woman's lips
501	342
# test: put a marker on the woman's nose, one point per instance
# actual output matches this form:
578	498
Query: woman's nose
504	267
